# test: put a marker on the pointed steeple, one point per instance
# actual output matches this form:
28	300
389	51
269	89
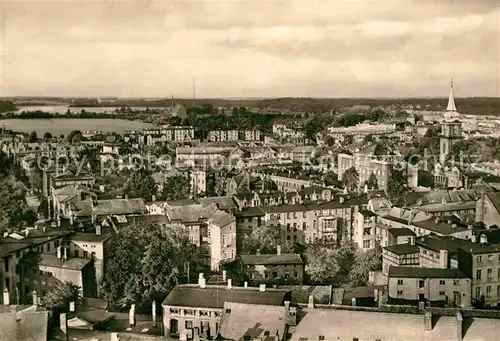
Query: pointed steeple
451	100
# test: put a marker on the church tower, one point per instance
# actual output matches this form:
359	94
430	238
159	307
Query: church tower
451	112
450	133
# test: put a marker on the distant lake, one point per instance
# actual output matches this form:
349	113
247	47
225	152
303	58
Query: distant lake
66	125
62	109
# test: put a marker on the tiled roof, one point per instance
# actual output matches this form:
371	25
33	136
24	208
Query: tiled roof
403	249
285	208
250	212
188	295
223	203
440	227
252	320
300	293
399	232
410	272
52	261
21	326
285	258
91	237
120	206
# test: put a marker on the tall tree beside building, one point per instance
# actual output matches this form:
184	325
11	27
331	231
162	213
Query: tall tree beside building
398	184
350	178
262	238
365	262
372	182
141	185
177	188
59	298
322	266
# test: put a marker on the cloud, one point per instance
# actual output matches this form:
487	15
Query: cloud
250	48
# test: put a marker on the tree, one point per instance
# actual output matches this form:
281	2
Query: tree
47	135
5	164
177	188
141	185
425	179
332	179
146	262
398	182
345	256
90	156
262	238
36	181
58	298
33	137
75	136
366	261
351	178
372	182
322	266
330	141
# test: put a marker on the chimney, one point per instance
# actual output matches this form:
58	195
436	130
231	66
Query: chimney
454	225
278	250
483	239
229	283
202	282
35	299
262	288
258	252
450	221
27	232
375	294
460	321
44	228
353	301
153	311
63	323
473	238
72	306
310	303
428	321
65	254
341	200
6	297
224	275
59	252
437	220
412	240
245	285
98	229
131	315
443	259
287	305
470	226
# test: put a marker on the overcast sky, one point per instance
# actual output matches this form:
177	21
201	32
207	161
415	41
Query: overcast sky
250	48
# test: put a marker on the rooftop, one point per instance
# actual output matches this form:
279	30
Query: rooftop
285	258
189	295
403	249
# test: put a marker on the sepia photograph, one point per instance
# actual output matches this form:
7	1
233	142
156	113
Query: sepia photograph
250	170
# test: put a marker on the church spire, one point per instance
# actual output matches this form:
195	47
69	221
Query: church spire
451	100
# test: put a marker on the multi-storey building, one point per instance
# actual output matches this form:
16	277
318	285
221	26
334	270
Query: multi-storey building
213	230
250	135
365	230
191	311
152	137
278	268
447	287
223	135
375	160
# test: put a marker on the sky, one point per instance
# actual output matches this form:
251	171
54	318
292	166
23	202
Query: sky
250	48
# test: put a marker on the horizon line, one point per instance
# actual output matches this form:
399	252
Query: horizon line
233	98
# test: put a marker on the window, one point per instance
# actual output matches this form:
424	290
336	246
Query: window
92	255
490	258
479	259
442	293
275	274
85	254
6	264
478	292
498	290
189	324
321	337
228	311
442	282
7	283
400	282
421	284
303	215
488	291
478	274
366	244
76	253
48	247
489	273
400	292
